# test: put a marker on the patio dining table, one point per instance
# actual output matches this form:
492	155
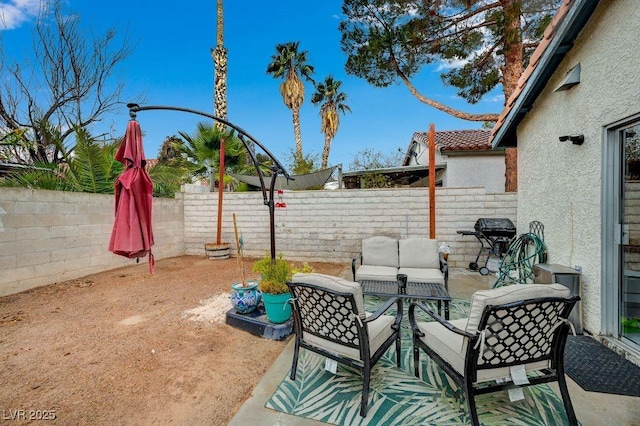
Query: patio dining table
412	290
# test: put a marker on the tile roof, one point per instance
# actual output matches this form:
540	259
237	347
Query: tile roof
457	140
150	162
533	80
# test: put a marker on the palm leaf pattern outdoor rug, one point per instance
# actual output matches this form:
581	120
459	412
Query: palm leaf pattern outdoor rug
397	397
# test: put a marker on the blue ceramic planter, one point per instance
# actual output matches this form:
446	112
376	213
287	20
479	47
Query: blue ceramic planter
245	299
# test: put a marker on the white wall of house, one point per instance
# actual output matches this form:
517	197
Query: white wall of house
467	169
559	184
473	170
422	155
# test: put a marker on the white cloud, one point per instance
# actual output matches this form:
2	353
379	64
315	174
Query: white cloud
495	98
454	63
14	13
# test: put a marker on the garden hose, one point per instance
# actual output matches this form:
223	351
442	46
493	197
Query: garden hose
517	264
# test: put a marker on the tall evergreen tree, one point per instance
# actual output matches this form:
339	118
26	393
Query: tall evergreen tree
483	44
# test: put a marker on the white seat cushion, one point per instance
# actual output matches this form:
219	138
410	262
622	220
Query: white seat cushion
379	331
418	252
376	273
509	294
420	275
336	284
380	250
452	348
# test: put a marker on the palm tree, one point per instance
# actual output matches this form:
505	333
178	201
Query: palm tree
288	64
91	167
331	101
200	153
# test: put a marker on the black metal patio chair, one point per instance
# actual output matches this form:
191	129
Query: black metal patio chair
514	337
329	319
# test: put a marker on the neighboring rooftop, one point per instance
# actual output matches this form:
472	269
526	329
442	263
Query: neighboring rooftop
413	176
457	140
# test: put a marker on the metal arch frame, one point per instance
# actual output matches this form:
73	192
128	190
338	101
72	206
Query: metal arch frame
277	167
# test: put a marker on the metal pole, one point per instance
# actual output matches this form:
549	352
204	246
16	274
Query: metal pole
276	168
272	208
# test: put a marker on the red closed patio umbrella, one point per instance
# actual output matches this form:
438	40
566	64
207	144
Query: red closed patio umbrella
132	234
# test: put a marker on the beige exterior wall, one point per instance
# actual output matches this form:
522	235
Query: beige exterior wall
486	170
51	236
560	184
467	170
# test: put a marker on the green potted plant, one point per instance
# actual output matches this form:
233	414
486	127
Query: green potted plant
273	285
274	275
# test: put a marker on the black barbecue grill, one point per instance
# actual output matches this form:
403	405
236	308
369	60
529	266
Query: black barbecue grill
494	235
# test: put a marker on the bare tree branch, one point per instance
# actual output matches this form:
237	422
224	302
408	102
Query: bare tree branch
69	85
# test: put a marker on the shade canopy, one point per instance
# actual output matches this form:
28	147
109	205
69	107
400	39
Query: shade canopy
132	234
310	180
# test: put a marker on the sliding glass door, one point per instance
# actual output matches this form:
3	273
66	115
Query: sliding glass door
629	234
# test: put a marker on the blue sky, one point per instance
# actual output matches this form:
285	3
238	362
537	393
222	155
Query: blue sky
172	65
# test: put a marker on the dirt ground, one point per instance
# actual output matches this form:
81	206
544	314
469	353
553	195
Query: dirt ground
126	347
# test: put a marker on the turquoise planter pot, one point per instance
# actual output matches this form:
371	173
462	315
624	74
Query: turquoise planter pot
277	307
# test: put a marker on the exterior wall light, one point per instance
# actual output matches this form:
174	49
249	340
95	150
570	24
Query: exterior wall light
575	139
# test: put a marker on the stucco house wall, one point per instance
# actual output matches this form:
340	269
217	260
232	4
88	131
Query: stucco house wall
560	184
470	167
485	170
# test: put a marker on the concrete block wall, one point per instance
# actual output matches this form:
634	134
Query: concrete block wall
51	236
329	225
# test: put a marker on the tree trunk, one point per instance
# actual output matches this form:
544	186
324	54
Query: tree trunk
295	112
325	151
512	68
219	55
511	72
511	170
220	83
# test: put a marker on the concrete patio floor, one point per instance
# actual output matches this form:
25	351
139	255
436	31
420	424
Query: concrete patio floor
591	408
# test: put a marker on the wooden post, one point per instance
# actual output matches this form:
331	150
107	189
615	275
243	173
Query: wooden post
239	260
432	181
511	170
220	189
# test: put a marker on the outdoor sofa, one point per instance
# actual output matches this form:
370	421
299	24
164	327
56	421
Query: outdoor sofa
382	258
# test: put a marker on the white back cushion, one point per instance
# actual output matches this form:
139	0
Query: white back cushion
508	294
380	251
336	284
419	253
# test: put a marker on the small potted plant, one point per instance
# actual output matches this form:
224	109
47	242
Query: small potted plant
273	285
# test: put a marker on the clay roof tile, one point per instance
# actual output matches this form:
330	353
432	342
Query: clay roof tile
458	140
